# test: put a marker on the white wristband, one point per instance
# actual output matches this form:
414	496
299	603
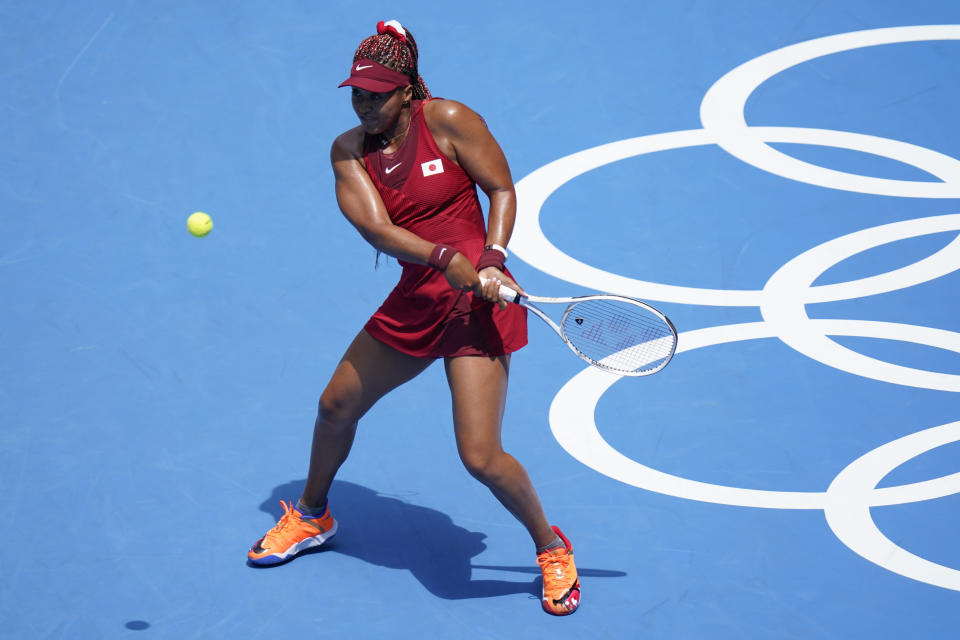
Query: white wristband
498	248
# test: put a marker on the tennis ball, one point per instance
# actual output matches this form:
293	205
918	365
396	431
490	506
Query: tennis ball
199	224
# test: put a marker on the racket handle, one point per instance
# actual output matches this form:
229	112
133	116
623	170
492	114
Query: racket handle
507	293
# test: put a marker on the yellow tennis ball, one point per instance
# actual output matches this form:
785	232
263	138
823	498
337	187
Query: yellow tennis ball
199	224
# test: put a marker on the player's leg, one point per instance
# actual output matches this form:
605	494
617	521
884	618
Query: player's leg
478	386
368	370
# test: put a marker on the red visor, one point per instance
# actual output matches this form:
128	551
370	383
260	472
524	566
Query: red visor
372	76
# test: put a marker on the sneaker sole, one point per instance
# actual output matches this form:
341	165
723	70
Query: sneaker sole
303	545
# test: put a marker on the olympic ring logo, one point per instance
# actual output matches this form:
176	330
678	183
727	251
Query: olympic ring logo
782	301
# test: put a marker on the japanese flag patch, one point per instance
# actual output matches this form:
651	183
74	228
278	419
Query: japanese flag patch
432	167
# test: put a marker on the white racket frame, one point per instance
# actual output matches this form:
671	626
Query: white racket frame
527	301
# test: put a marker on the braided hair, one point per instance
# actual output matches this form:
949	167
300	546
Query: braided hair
395	49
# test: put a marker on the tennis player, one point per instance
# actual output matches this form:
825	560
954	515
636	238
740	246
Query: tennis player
407	179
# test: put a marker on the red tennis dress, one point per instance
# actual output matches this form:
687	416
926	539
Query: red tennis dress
430	195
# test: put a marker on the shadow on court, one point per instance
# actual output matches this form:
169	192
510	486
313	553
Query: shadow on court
388	532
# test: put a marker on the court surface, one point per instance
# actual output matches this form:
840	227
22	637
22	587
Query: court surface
782	179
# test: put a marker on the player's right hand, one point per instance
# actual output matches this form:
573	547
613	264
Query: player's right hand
461	275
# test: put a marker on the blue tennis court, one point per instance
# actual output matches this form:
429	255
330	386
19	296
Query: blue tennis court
781	179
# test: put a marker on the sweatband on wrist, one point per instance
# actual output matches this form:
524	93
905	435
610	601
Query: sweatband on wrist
441	256
491	258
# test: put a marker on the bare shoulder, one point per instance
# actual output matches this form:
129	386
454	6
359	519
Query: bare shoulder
347	145
450	116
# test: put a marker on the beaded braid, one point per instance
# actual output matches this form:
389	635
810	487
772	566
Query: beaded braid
393	53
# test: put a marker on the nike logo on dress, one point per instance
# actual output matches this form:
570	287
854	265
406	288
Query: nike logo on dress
359	68
389	169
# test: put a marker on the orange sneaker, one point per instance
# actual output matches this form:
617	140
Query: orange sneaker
293	534
561	587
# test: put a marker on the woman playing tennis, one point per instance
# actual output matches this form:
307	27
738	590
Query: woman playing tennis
407	179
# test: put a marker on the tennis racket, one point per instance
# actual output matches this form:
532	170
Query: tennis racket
615	333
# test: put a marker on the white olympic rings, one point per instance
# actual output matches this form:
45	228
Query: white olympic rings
783	299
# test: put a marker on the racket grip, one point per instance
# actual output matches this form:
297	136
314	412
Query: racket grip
507	293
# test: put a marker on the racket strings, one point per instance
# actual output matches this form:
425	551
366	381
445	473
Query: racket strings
619	335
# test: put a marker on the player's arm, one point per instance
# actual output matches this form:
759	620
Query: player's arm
363	207
466	135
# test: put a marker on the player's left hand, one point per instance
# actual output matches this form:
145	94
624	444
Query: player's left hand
489	287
